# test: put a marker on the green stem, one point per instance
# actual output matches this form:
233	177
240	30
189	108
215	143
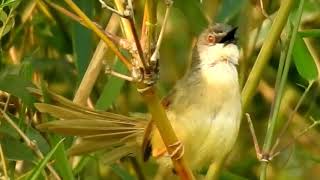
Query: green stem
266	52
310	33
272	122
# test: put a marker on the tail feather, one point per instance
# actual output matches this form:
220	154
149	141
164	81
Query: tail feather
97	130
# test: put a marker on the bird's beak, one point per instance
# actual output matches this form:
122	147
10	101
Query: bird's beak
230	36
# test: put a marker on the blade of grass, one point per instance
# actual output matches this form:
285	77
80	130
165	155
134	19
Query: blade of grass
40	166
310	33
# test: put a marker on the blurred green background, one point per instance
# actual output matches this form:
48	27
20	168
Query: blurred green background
40	46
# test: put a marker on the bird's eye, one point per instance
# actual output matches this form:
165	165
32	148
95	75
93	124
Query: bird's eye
211	38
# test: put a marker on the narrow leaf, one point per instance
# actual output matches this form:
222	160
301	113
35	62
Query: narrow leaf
40	166
303	60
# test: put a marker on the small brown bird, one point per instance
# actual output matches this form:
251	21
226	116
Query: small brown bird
203	107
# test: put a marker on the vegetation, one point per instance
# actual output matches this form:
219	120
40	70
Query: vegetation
60	46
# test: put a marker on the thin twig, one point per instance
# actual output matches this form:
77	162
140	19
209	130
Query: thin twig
7	103
104	5
4	166
31	144
137	42
303	132
285	127
108	70
263	11
254	137
155	55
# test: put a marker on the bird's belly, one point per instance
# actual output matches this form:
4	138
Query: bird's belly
208	138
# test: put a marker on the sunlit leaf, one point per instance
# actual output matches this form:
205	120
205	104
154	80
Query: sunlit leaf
6	21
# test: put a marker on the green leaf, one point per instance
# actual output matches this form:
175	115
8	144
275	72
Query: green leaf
15	150
16	85
123	174
193	12
82	39
40	166
228	9
6	129
112	88
11	3
37	137
303	60
310	33
7	22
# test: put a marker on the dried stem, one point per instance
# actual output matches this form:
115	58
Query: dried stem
254	137
31	144
95	66
155	55
303	132
4	166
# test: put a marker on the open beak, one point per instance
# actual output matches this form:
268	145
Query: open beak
229	37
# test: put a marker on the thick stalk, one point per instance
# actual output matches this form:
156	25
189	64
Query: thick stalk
150	96
272	122
95	66
265	52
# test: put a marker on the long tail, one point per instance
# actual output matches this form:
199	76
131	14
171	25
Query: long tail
119	134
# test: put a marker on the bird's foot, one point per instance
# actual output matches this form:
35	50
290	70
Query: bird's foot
177	150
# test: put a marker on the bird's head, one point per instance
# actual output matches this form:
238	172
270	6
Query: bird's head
216	44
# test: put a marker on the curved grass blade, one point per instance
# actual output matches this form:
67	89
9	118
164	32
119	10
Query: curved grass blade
40	166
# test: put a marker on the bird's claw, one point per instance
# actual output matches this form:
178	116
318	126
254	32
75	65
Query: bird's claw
178	150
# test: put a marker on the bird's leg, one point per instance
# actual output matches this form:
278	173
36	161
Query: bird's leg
177	150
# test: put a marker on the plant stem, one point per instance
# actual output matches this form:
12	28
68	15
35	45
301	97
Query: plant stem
167	133
95	66
3	163
272	122
265	53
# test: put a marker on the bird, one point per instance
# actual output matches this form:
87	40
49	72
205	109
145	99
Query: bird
204	109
